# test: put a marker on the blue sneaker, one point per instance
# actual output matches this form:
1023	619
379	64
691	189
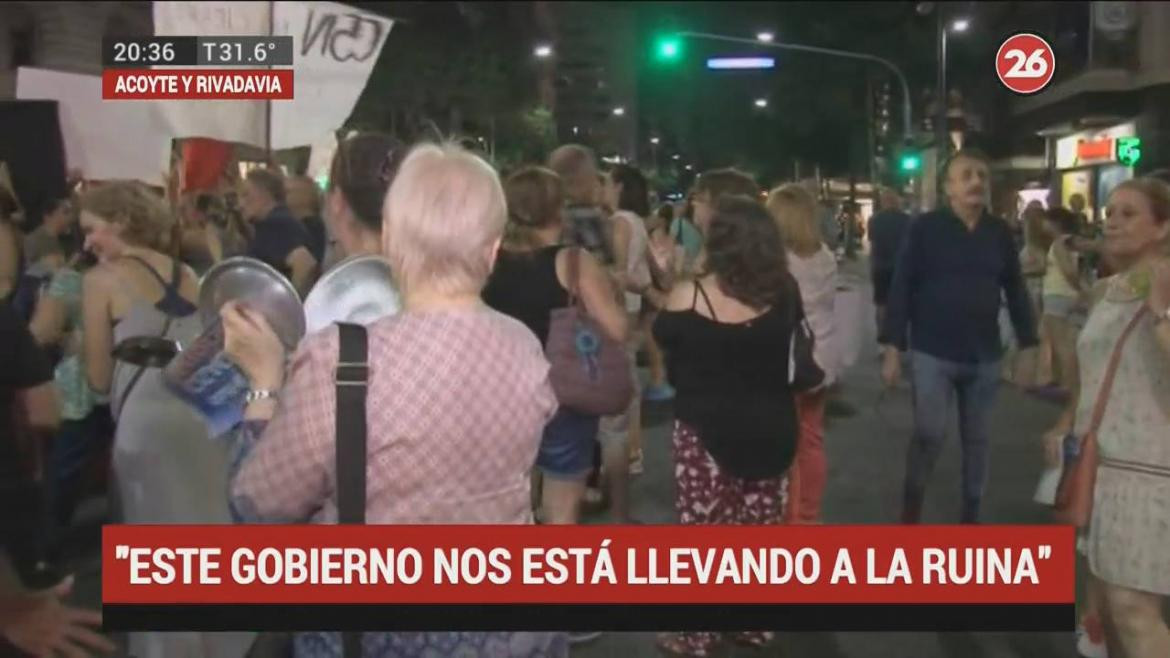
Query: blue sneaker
660	393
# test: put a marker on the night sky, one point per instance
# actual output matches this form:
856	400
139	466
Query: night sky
818	112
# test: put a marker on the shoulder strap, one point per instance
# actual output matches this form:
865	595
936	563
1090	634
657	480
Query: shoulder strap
574	286
176	274
351	378
1111	372
150	268
706	299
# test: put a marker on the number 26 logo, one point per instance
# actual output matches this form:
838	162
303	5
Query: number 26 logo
1025	63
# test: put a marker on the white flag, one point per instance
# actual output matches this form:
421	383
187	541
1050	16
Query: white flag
334	50
105	140
229	121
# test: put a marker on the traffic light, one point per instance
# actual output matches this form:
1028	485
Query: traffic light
910	163
668	49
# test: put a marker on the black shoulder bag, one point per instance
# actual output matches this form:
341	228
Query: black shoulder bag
351	378
803	372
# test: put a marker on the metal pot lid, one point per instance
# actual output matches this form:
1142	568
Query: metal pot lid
359	289
259	286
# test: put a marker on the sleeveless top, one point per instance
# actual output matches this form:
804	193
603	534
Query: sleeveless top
732	382
172	316
637	268
1136	427
1055	282
524	285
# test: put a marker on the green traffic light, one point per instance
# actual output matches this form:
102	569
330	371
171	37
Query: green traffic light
911	162
669	49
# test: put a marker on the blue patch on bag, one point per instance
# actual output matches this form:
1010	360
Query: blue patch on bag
588	345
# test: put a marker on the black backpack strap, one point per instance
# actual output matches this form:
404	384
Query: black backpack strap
351	379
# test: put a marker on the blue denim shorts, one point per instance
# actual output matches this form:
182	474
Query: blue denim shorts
566	449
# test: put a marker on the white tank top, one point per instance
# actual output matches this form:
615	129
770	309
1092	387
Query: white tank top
1055	282
637	269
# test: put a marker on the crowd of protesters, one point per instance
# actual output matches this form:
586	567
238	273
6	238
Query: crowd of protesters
730	297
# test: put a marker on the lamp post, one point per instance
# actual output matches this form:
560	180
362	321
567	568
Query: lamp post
942	101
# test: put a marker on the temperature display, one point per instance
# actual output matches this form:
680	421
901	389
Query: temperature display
140	52
245	51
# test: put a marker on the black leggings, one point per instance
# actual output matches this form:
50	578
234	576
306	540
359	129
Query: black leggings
594	480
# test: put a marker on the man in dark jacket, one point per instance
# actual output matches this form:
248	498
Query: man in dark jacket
955	267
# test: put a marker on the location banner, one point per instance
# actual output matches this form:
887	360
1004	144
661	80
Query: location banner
634	578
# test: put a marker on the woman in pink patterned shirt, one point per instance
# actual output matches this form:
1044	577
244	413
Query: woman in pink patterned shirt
458	395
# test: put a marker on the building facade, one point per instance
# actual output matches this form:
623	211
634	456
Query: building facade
1104	119
64	36
596	99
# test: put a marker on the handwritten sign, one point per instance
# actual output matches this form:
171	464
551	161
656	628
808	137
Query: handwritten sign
334	49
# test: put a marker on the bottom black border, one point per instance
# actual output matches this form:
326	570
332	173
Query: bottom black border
616	617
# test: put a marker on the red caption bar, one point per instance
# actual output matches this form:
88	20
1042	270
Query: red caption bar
197	84
587	564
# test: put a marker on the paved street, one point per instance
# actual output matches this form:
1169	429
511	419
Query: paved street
866	442
865	449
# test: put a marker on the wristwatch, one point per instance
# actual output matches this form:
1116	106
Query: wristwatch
257	394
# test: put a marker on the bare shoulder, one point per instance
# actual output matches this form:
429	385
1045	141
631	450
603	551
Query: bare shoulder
681	295
101	277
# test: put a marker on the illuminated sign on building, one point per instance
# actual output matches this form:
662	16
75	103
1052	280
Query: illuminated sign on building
1129	150
1101	150
1117	144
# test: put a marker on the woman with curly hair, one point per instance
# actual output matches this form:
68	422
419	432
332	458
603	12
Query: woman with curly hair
726	336
165	468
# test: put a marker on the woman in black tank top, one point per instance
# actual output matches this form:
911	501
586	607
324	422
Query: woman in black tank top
528	283
726	338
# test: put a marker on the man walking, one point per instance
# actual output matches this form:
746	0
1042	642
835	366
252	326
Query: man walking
953	270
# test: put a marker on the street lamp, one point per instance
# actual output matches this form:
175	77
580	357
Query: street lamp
959	25
619	111
765	37
543	51
654	141
761	102
689	167
676	156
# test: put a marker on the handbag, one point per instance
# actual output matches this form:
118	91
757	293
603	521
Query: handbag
590	372
1074	494
804	374
351	378
137	376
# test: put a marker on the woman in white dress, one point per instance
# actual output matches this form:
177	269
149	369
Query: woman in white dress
1129	535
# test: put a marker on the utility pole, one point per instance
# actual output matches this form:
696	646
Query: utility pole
941	139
